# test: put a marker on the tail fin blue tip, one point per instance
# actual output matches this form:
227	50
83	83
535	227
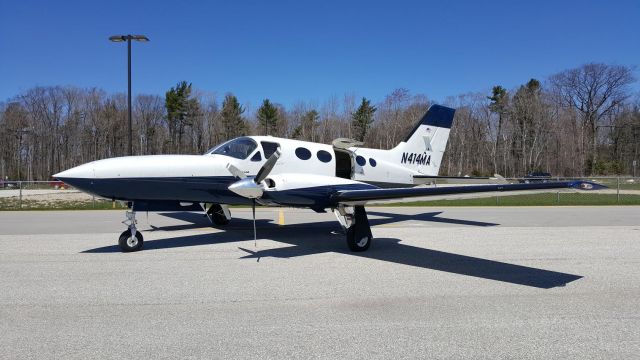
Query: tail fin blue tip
439	116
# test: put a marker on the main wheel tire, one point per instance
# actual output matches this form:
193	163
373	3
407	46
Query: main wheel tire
219	219
357	244
130	243
216	214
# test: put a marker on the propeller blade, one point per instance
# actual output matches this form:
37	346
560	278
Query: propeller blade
267	167
235	171
253	209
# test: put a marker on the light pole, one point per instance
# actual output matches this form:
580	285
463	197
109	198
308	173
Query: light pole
128	38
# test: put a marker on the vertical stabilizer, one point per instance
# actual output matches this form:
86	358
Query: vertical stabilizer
424	146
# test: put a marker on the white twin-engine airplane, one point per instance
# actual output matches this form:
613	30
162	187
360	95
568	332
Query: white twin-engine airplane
283	172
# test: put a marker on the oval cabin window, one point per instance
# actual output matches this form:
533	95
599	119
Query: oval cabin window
324	156
303	154
360	160
372	162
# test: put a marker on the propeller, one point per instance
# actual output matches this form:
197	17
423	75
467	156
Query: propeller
235	171
267	167
252	187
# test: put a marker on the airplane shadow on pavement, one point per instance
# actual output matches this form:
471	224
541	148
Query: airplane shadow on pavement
326	236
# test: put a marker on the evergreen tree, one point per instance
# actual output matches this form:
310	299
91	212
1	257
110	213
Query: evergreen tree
499	99
233	123
268	117
499	105
362	118
527	116
181	110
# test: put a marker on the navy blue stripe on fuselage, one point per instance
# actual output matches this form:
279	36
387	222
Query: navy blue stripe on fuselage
212	189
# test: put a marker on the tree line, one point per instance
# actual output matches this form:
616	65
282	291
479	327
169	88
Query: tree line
581	121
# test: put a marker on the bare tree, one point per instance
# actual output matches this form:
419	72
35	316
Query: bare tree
595	90
551	128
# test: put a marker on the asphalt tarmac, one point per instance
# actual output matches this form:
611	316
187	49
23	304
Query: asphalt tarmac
530	282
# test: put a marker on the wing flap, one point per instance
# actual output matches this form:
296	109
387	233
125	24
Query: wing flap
434	179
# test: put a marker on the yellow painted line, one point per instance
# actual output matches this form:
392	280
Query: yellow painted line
281	218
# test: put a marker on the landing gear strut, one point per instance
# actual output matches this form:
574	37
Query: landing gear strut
131	239
219	214
356	226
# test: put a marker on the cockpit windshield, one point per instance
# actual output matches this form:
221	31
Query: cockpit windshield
239	148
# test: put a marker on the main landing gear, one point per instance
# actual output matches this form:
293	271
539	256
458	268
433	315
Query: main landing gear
356	225
131	239
219	214
354	221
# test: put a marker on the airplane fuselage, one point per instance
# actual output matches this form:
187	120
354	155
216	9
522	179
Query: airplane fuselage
205	179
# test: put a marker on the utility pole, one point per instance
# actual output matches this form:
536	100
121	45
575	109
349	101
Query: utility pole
129	95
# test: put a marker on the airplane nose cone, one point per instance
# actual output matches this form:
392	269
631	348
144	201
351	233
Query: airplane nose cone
84	171
80	177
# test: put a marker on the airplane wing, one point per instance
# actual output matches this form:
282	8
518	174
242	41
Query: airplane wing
359	197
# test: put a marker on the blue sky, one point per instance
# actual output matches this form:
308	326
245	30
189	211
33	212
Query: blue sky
298	50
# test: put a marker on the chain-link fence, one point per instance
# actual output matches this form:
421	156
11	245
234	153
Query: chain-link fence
40	195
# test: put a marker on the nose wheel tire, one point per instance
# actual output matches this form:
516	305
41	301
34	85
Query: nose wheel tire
130	243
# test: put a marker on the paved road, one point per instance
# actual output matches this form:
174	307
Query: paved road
539	282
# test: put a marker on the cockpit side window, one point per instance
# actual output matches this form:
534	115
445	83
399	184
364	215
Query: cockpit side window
239	148
257	157
269	148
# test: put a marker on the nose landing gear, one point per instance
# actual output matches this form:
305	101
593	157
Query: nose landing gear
131	239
